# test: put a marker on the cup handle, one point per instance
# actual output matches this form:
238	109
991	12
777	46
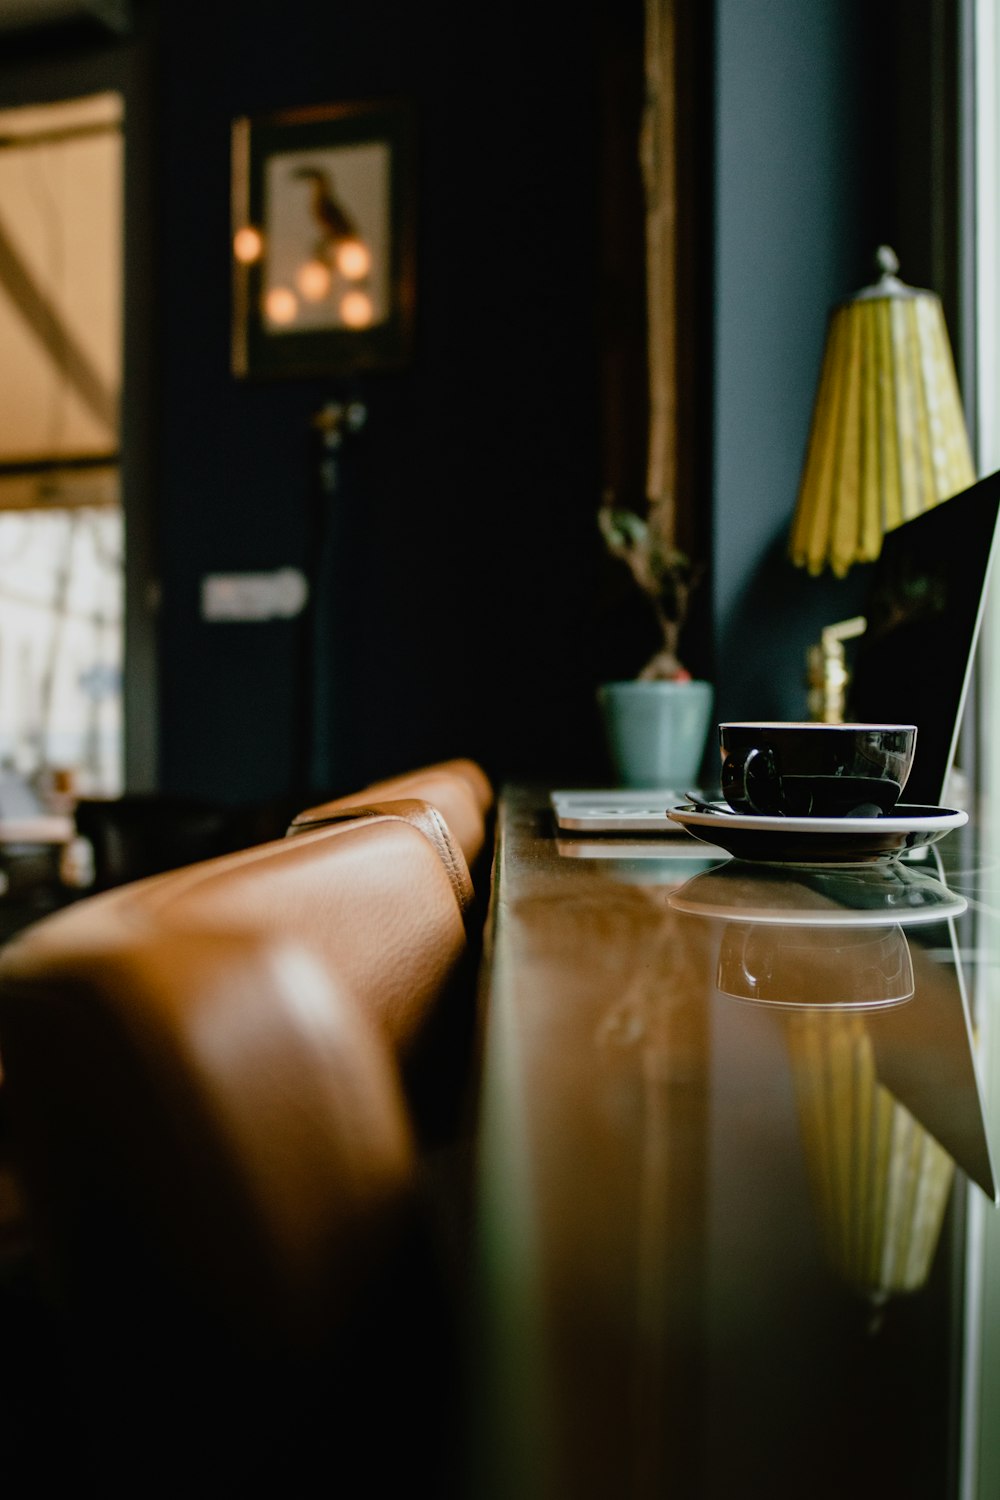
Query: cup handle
740	769
749	979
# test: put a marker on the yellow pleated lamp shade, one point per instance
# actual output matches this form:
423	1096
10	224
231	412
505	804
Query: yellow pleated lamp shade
888	438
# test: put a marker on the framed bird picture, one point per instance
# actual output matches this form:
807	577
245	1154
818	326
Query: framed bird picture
323	240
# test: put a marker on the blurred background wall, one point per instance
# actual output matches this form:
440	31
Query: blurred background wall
472	608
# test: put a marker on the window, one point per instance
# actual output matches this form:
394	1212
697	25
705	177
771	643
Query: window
61	532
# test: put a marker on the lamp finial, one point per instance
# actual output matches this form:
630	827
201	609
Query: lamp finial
887	260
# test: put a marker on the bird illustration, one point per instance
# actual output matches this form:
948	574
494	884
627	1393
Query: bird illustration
331	217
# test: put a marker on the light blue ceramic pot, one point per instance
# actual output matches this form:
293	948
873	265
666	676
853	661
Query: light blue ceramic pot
656	732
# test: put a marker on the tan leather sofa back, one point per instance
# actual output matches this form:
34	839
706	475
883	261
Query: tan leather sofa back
475	778
459	790
249	1014
211	1107
374	898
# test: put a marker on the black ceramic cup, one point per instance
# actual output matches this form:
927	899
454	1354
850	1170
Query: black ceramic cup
815	770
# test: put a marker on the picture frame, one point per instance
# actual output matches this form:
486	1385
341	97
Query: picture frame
323	240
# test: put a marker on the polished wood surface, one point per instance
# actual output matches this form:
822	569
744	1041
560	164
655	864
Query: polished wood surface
735	1191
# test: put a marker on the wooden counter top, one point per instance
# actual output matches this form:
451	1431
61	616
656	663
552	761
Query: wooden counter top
735	1193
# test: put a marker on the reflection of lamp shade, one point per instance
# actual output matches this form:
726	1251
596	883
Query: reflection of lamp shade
888	438
881	1180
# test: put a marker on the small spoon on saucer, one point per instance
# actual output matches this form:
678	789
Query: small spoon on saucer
709	807
863	810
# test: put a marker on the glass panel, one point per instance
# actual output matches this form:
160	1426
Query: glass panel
980	1449
61	528
60	644
60	280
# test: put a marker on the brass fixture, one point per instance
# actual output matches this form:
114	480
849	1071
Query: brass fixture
827	674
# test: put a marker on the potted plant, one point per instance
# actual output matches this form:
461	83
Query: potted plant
656	724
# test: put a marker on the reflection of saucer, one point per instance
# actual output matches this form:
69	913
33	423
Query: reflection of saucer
676	855
824	968
871	895
819	841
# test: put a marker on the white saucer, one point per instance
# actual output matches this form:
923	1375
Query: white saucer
818	841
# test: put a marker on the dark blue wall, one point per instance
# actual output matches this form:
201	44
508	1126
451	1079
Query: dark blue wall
794	233
835	131
461	579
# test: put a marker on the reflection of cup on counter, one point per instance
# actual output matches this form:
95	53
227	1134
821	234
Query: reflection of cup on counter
831	968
